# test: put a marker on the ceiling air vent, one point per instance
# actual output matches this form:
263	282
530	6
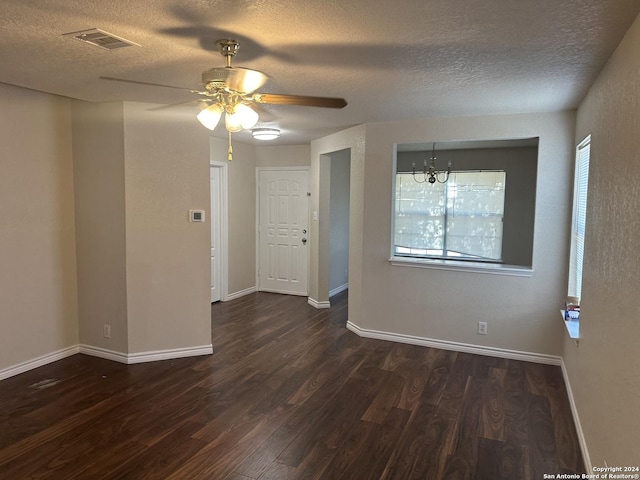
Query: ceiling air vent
101	39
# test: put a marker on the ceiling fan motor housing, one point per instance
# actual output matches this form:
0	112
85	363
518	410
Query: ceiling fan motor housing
215	78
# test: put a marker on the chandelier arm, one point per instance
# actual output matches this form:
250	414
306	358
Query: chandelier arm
413	170
424	179
446	178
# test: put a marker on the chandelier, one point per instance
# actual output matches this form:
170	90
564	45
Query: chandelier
429	172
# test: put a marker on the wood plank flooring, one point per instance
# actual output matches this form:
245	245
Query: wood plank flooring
289	393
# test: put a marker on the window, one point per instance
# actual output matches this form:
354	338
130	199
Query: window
461	219
578	223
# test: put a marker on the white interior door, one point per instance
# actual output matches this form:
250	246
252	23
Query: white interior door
283	231
216	276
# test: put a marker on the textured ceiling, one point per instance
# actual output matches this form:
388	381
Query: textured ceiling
389	60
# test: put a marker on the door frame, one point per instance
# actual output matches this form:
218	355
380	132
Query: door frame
309	239
224	227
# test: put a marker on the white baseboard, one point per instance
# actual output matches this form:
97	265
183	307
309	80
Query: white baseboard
38	362
317	304
576	420
143	357
456	346
106	354
338	290
241	293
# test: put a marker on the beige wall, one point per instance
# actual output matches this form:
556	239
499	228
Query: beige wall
98	158
168	268
38	296
521	312
603	369
283	156
142	266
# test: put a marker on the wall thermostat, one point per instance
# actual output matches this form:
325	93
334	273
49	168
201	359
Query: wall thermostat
196	215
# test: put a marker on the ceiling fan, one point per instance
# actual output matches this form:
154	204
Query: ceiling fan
231	91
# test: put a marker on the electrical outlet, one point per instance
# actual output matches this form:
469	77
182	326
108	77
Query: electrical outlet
106	330
482	328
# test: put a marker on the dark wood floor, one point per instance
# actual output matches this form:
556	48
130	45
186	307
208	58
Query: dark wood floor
289	394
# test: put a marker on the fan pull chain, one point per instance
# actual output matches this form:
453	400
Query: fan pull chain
230	152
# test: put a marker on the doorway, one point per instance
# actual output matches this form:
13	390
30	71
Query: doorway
218	222
339	205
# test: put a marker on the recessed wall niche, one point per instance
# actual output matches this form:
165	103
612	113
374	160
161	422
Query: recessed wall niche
518	158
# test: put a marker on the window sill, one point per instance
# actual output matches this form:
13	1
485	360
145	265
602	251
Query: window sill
573	326
473	267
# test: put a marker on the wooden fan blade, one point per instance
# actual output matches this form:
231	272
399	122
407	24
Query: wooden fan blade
301	100
113	79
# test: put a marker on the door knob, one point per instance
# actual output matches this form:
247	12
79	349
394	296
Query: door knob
304	241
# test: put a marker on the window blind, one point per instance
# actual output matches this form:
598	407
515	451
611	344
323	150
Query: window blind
578	224
458	219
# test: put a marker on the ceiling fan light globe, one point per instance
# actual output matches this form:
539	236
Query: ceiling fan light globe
231	123
210	116
242	116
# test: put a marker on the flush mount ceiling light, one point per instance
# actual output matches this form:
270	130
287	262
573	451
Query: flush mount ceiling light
265	133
